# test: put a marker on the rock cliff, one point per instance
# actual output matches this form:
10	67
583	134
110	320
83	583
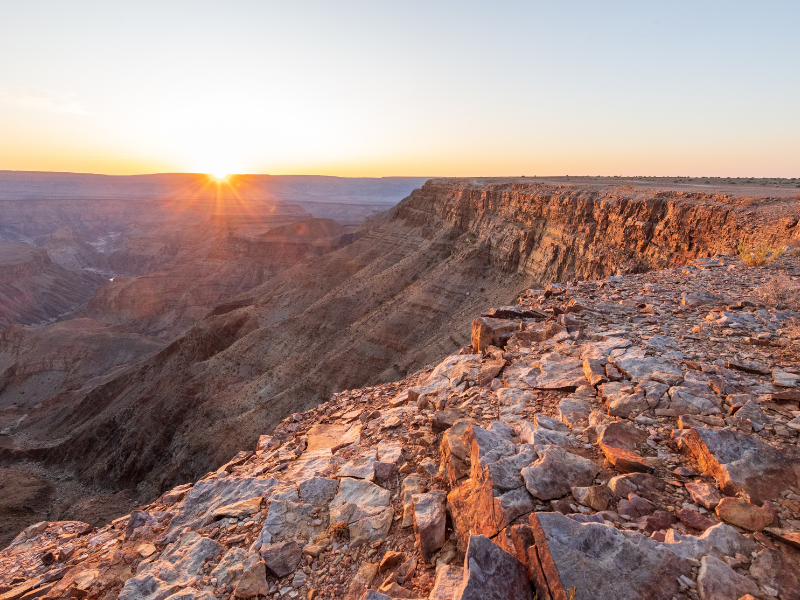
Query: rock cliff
631	437
402	295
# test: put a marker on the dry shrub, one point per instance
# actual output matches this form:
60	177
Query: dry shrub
759	254
340	531
780	292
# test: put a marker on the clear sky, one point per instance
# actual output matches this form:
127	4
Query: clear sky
401	88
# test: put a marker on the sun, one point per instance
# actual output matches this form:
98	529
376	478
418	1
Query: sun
219	176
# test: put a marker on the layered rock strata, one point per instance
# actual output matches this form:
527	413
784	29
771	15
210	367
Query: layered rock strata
402	295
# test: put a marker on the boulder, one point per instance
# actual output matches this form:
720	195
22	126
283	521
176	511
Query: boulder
318	491
704	494
209	494
504	474
175	568
721	540
598	562
541	436
694	519
283	558
556	472
445	419
740	512
792	538
596	496
487	331
365	507
742	463
454	452
490	573
253	581
138	518
429	521
229	569
643	484
595	371
619	442
413	484
489	370
240	509
717	581
574	411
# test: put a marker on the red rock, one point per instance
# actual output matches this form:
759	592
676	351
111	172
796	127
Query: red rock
656	522
694	519
740	512
491	332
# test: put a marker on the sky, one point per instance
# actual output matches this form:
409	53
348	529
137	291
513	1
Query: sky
427	88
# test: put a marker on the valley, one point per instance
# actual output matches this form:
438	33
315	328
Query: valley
233	327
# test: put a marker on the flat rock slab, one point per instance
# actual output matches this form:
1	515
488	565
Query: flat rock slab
175	568
560	373
603	563
208	495
322	436
742	463
637	367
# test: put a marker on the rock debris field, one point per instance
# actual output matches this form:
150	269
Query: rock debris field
628	438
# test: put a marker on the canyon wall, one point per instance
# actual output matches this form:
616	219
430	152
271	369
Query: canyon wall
400	296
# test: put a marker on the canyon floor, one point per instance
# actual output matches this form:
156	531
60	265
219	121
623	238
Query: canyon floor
240	326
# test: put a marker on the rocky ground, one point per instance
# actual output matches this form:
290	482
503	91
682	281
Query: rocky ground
630	437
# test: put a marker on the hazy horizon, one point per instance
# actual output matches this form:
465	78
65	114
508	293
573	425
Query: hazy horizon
363	89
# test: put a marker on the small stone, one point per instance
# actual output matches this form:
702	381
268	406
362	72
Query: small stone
390	559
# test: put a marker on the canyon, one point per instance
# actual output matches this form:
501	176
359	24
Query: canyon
221	327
